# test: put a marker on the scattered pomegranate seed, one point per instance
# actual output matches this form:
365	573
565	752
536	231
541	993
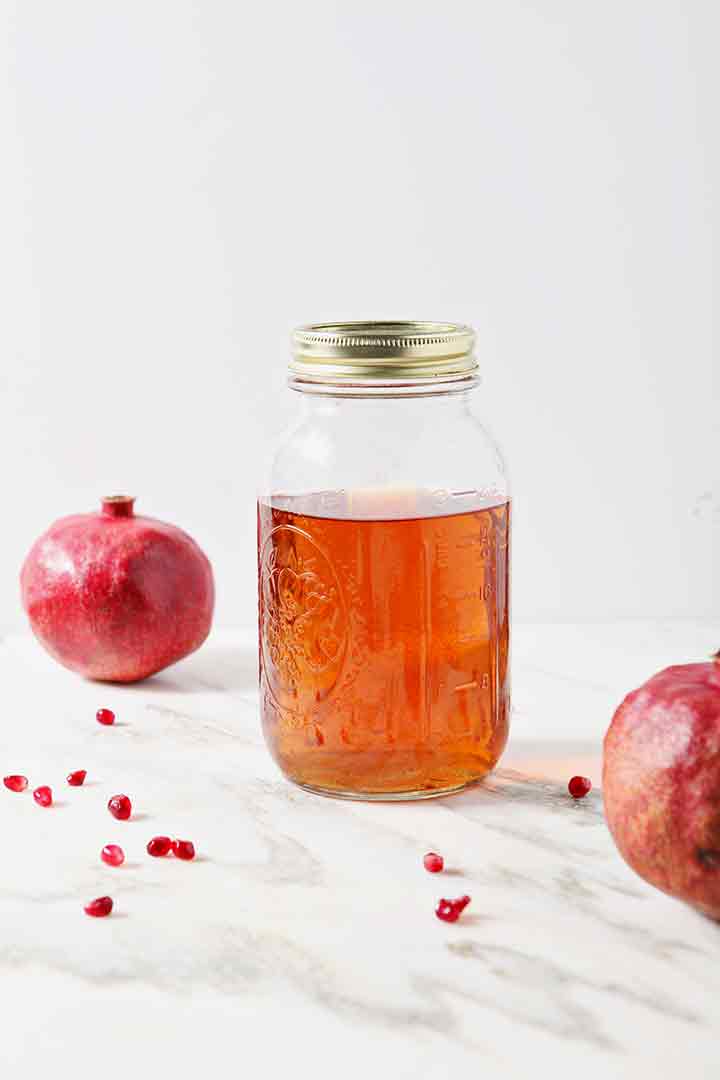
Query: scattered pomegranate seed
76	779
159	845
99	908
446	910
15	783
120	807
43	795
113	855
183	849
433	863
451	910
579	786
105	716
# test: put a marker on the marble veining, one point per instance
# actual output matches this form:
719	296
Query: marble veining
304	934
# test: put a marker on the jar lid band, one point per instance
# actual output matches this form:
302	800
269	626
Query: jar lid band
382	351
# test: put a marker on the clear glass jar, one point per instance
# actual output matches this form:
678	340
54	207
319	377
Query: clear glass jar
383	566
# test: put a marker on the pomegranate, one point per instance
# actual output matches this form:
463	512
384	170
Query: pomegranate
120	807
99	908
43	795
159	846
579	786
183	849
117	597
661	782
15	782
113	855
451	910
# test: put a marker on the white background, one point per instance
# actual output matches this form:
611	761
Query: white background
182	182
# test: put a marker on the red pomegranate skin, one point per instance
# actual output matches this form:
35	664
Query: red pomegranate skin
117	597
661	783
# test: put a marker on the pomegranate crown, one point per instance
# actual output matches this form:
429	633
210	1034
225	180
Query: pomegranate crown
117	506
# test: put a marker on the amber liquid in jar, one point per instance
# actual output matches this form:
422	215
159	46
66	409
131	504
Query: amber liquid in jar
384	635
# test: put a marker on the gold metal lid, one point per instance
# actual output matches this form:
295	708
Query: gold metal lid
382	352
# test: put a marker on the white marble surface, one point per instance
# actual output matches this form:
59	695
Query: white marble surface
303	940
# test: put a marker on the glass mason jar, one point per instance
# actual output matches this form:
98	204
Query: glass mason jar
383	565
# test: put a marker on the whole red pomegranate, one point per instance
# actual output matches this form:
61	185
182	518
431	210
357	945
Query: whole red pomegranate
661	783
117	597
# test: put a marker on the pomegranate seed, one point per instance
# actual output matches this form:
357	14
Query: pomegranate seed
105	716
76	779
120	807
433	863
113	855
43	795
99	908
159	845
579	786
15	783
451	910
183	849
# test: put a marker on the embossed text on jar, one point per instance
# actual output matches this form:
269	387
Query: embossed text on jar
384	642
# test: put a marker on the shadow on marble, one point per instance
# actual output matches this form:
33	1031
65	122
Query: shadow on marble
552	759
514	786
218	668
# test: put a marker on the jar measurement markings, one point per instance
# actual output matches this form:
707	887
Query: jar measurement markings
483	683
